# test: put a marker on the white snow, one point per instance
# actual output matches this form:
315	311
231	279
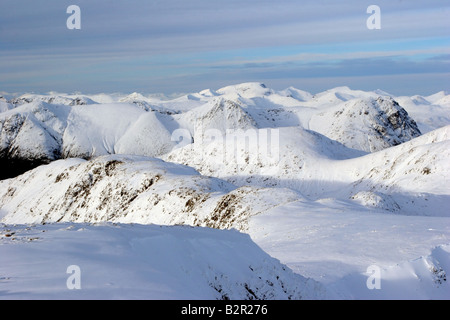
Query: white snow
335	243
315	192
4	106
142	262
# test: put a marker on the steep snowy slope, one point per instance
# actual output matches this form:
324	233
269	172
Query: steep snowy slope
30	135
437	98
259	154
341	244
217	114
411	178
108	128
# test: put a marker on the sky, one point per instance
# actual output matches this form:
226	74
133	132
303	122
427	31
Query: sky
179	46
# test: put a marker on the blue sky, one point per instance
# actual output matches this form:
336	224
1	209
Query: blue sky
186	46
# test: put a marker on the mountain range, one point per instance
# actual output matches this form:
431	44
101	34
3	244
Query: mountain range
328	183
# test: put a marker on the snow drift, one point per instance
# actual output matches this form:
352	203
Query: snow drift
143	262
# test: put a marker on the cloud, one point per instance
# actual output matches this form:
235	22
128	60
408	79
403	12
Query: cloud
164	26
155	41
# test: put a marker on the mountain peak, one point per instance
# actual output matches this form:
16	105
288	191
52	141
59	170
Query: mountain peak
246	90
367	124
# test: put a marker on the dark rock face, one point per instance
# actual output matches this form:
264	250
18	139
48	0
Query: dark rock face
397	119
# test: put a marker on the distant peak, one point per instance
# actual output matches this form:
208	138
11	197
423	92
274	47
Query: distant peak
341	88
208	93
135	95
245	86
246	90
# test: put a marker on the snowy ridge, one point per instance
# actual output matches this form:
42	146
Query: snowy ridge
131	189
71	100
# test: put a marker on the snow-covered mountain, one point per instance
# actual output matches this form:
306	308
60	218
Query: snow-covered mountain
368	125
71	100
431	112
36	129
131	189
328	183
408	179
4	106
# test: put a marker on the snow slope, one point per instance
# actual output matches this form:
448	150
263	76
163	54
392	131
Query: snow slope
415	173
113	128
131	189
431	112
4	106
329	240
142	262
335	243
